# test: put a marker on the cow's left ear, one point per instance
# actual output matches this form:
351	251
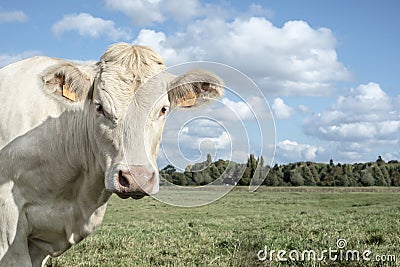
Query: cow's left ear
66	83
194	88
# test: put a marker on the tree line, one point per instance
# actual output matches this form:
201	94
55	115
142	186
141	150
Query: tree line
378	173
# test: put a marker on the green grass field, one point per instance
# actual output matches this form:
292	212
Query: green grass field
231	231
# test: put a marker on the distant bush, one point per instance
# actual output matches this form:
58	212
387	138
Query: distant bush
378	173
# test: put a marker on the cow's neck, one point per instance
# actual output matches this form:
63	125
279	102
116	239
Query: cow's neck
54	163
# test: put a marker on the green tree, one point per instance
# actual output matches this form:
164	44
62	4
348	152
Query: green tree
209	159
331	164
308	177
380	161
367	179
342	180
395	175
271	179
169	169
252	164
296	178
179	178
338	175
314	172
261	161
246	178
378	176
327	178
214	172
386	175
308	173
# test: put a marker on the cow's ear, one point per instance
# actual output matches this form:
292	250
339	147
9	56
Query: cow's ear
66	82
194	88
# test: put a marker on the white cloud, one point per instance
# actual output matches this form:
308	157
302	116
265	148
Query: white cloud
281	110
292	60
226	110
364	99
293	151
146	12
259	10
12	16
220	140
87	25
391	156
398	101
260	107
365	113
361	131
363	121
157	40
141	12
223	141
182	10
290	151
303	109
6	59
203	130
241	110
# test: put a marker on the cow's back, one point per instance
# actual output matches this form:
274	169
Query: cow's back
24	104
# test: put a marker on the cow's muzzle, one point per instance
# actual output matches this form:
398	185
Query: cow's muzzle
136	182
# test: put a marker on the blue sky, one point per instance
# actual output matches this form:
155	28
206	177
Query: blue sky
329	69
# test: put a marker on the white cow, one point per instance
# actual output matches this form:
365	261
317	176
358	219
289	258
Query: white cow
63	130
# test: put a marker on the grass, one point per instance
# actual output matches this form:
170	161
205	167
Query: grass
232	230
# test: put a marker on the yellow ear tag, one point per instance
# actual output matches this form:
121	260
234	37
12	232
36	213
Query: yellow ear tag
188	100
67	93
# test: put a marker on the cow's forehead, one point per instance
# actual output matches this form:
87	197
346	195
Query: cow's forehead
124	89
156	85
135	64
150	95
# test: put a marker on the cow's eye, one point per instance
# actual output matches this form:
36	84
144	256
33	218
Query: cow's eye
164	111
99	108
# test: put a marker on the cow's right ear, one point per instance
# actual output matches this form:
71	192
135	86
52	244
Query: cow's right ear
66	82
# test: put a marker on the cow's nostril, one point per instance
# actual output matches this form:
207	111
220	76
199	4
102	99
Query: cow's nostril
122	179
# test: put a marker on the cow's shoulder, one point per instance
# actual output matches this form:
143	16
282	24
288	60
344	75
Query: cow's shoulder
34	89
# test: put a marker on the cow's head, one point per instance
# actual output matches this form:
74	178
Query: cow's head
126	108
